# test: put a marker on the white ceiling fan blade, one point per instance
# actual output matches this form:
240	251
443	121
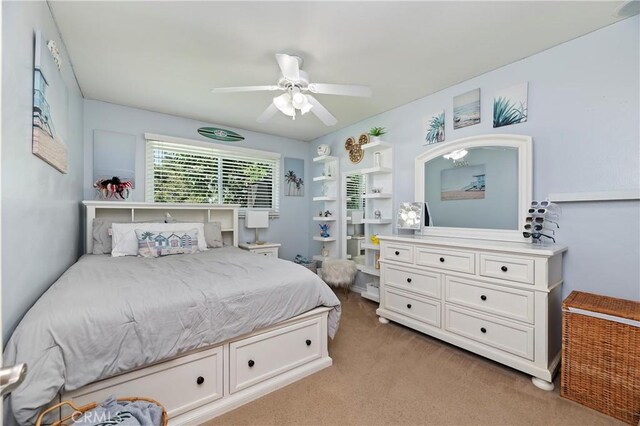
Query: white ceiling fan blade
244	89
267	114
289	66
340	89
321	112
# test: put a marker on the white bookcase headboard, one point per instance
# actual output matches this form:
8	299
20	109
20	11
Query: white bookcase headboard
127	212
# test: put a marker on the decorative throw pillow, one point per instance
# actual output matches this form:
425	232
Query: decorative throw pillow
213	234
101	238
164	243
125	241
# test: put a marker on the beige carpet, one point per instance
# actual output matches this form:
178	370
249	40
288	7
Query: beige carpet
391	375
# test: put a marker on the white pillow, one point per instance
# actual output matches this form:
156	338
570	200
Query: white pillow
125	241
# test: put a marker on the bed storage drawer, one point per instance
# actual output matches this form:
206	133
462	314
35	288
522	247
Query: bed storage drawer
258	358
504	335
180	385
460	261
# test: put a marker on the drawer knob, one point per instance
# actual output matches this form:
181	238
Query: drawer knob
200	380
308	342
504	269
409	305
251	363
397	253
408	280
483	297
442	259
484	330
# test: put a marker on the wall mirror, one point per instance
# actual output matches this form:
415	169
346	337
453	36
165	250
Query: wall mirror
477	187
354	188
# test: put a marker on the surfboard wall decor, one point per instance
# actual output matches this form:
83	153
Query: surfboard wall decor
220	134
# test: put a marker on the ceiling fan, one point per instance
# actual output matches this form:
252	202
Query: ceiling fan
296	87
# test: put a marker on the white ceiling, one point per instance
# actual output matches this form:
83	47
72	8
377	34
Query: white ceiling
167	56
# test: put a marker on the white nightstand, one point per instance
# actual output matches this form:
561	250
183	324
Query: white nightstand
266	249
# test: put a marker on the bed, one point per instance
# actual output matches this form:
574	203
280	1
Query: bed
202	333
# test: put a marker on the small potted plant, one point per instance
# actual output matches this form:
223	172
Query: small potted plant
376	133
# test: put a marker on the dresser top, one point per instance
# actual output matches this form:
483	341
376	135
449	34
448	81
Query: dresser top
478	244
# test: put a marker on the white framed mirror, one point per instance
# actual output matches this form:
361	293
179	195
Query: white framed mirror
476	187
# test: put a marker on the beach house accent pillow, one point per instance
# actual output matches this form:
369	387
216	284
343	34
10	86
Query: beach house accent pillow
213	234
125	242
165	243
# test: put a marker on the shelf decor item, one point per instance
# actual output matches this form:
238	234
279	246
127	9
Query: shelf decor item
374	239
356	154
376	133
324	230
113	188
323	149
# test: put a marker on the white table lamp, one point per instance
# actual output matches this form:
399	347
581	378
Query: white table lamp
257	219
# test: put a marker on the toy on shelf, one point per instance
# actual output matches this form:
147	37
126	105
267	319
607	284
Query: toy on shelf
324	230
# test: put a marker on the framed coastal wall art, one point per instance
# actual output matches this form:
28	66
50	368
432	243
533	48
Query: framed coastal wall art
466	109
510	106
434	128
50	106
294	177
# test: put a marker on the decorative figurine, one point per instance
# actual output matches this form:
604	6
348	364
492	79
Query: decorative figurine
324	252
327	214
376	190
374	239
377	214
320	214
324	230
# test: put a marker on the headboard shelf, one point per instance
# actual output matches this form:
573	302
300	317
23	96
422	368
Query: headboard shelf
127	212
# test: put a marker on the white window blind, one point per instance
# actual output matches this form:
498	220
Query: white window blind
182	172
356	187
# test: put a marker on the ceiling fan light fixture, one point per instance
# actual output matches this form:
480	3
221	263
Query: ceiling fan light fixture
283	103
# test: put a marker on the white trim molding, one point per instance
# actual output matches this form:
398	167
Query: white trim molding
524	144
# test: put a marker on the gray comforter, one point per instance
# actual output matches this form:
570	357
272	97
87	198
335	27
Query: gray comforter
106	315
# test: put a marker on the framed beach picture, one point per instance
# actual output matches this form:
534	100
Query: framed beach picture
466	109
462	183
294	177
510	106
434	128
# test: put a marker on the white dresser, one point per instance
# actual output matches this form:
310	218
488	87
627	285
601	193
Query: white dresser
501	300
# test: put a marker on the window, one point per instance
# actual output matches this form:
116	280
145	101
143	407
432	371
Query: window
183	171
356	188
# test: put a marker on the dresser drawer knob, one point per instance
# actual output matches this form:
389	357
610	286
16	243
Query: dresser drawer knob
483	297
397	253
484	330
408	280
308	342
409	305
442	259
504	269
251	363
200	380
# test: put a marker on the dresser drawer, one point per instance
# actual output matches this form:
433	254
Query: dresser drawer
506	336
460	261
258	358
267	251
426	283
397	252
181	384
424	310
507	268
493	299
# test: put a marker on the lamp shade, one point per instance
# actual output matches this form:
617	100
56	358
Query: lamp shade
256	219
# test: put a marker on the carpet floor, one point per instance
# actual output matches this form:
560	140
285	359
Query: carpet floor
392	375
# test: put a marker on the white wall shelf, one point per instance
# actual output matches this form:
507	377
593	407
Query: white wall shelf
370	292
376	221
324	219
373	196
368	270
324	179
323	198
376	170
369	246
380	145
324	159
324	239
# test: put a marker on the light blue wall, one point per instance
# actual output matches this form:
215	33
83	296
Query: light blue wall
40	206
294	211
584	119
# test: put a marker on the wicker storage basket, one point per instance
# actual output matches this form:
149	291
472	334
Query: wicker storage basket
601	354
68	420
